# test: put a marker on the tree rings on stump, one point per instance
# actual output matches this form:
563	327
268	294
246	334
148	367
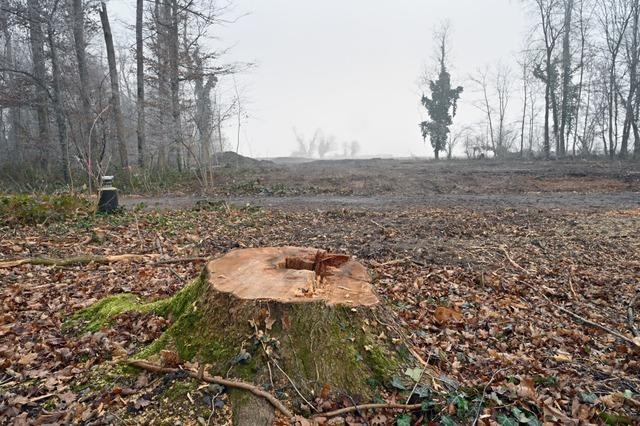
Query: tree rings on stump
292	275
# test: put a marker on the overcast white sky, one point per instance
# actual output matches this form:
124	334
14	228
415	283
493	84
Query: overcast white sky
350	67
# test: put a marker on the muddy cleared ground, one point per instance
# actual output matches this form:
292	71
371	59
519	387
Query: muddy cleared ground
522	294
384	184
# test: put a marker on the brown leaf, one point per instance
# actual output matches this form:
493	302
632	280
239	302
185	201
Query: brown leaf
268	323
324	393
554	415
28	358
445	315
169	359
527	390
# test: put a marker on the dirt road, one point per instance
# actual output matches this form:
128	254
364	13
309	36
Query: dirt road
559	200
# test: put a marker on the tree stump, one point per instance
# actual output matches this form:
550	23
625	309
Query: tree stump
300	322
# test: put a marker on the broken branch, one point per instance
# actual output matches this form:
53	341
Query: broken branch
217	380
596	325
101	260
579	318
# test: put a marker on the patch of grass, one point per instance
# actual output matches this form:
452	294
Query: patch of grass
28	209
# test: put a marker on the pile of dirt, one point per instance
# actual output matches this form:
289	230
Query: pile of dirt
231	159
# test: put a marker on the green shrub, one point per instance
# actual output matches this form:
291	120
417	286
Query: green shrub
31	209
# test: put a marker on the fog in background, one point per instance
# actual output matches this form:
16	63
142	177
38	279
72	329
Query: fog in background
352	68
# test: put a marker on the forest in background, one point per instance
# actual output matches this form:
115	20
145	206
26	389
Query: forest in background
74	105
575	93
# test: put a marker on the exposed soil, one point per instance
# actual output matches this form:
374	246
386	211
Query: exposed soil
389	184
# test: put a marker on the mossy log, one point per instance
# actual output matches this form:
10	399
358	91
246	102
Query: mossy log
294	320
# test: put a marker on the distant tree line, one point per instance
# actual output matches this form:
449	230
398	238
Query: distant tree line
321	144
576	93
74	105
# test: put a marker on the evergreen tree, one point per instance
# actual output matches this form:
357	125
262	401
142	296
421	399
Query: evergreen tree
441	108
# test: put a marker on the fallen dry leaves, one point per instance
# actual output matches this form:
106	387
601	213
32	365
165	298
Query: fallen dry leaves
444	273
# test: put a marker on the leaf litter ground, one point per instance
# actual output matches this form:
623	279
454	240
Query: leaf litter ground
476	293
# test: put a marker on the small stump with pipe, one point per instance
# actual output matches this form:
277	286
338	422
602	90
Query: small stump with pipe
108	197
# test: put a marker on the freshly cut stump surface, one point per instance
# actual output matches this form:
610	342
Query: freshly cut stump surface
292	275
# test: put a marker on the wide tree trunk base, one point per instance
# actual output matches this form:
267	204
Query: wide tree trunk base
298	322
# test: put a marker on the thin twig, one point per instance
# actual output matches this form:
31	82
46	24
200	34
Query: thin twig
586	321
418	381
573	291
390	262
410	407
631	318
213	407
295	387
484	394
102	260
511	261
269	358
180	260
270	374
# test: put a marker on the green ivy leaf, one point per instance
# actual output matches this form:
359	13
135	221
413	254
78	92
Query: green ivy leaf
461	402
403	420
524	416
504	420
427	405
447	421
397	383
589	398
414	373
422	391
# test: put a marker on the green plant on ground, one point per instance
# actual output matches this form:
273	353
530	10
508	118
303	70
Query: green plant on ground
31	209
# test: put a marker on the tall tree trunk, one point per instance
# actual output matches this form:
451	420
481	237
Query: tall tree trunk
524	107
610	98
140	82
634	125
36	39
174	82
204	117
14	111
57	102
547	106
532	115
633	80
488	111
83	73
115	88
580	83
586	120
556	121
566	76
161	17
